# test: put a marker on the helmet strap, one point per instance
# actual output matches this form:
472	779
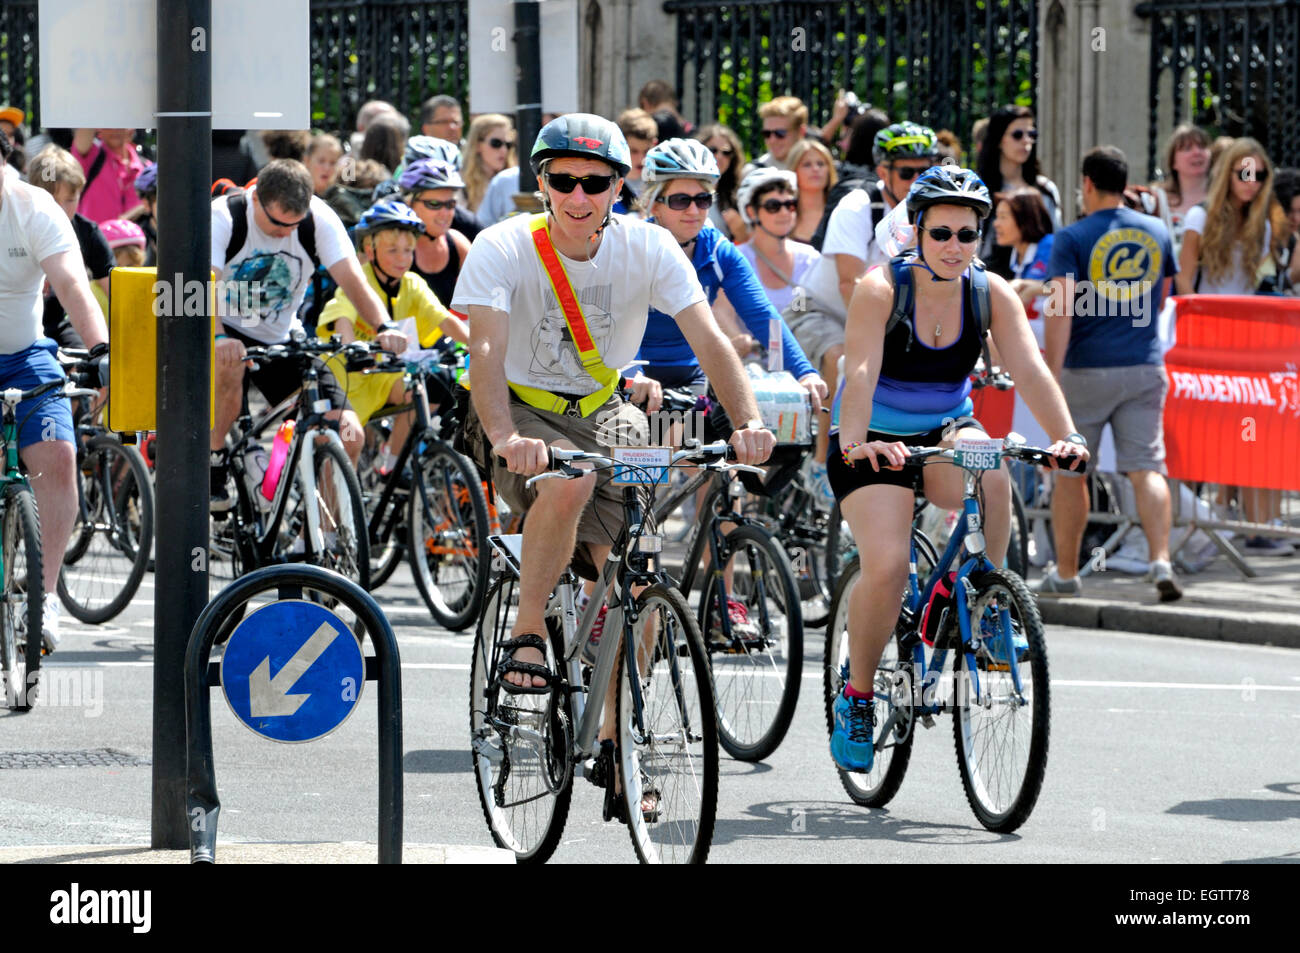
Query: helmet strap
389	283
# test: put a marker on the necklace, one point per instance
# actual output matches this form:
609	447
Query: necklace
938	329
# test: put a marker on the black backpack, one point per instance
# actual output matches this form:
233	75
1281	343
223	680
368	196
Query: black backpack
842	188
322	286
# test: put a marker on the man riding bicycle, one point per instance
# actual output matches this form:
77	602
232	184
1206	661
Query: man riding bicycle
908	384
556	303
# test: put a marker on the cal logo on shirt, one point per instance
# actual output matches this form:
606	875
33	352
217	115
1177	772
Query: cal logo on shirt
1125	264
18	253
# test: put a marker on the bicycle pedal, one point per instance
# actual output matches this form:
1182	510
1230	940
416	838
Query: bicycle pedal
927	721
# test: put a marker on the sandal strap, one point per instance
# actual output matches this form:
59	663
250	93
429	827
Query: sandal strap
529	640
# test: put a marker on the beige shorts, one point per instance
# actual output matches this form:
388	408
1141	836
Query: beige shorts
602	518
816	333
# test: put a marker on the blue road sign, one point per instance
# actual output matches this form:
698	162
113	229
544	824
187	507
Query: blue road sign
292	671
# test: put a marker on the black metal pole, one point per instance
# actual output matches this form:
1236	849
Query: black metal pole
528	85
184	343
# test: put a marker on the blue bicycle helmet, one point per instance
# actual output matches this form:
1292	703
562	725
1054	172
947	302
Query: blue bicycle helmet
146	183
948	185
425	174
387	215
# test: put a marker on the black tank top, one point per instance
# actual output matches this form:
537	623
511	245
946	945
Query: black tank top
906	358
443	282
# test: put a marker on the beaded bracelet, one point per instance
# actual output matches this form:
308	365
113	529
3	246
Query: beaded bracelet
844	452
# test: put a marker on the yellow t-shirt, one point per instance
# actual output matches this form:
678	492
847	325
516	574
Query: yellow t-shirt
417	311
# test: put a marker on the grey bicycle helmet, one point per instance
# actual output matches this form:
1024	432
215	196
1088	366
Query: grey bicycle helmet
905	140
428	147
581	136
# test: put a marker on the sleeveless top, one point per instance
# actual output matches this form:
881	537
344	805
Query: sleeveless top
443	282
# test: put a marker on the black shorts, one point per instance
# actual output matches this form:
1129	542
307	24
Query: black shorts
279	379
844	479
687	377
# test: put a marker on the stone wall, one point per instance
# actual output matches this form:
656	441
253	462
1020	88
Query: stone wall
625	44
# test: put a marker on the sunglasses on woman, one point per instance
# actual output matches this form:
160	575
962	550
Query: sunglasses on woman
433	205
496	143
680	201
775	205
941	233
1019	134
591	184
1246	175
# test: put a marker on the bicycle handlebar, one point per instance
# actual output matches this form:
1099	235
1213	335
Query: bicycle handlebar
919	456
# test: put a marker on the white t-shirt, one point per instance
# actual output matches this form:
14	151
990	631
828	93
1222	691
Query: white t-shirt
1242	280
851	230
638	266
805	257
32	228
281	268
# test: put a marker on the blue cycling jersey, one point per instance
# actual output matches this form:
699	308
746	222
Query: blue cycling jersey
720	265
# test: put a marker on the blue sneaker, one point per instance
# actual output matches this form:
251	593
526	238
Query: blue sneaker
996	644
855	726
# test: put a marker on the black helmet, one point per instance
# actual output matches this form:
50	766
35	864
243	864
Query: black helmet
948	185
582	136
905	140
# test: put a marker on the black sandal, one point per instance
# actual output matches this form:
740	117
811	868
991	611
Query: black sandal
605	774
508	665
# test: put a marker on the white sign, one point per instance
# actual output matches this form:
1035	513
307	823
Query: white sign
492	56
99	64
651	463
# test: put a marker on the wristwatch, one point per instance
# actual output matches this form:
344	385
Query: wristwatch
387	326
754	424
1076	438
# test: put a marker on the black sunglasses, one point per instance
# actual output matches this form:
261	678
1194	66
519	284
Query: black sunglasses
591	184
1253	175
942	233
680	201
907	172
496	143
1021	133
779	133
775	205
279	224
433	205
722	150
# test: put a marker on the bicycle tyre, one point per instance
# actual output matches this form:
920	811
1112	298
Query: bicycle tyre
877	787
678	755
801	527
344	543
20	633
840	548
452	582
1003	795
102	573
531	833
1018	543
386	552
756	686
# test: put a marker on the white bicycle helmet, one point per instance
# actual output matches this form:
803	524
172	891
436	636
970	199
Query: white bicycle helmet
679	159
755	179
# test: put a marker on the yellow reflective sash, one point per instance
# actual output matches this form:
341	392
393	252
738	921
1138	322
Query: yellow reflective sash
578	330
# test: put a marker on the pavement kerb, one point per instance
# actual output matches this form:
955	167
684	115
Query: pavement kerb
253	853
1256	628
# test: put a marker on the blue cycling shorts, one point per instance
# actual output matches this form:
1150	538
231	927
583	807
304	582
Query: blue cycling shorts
49	417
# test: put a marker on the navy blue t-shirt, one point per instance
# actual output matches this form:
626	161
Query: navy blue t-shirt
1119	259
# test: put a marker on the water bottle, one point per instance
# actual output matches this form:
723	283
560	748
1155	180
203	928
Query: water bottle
255	463
279	454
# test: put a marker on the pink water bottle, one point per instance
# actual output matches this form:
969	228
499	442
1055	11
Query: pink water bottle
279	453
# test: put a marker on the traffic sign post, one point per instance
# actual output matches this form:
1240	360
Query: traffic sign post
292	672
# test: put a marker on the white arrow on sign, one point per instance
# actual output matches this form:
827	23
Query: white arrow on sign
267	696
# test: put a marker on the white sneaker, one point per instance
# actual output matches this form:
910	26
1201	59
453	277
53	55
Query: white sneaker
1162	574
1053	586
50	610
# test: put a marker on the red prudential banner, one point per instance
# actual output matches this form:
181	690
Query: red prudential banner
1233	411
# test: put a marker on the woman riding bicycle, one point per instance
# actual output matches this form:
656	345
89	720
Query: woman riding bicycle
388	232
909	386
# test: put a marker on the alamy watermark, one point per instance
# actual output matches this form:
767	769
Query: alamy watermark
241	301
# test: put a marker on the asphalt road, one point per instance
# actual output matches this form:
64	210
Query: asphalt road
1162	749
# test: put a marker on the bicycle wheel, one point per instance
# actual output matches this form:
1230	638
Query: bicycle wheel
388	543
802	527
755	675
840	549
20	626
520	743
447	522
893	691
332	533
1018	547
1002	733
113	536
668	740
